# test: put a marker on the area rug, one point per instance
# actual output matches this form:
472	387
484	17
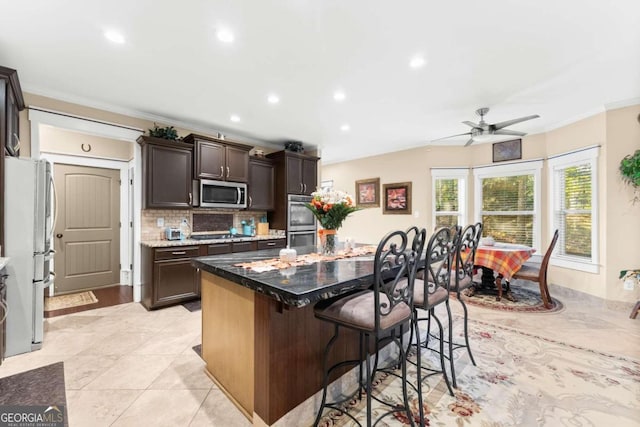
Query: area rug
520	380
527	300
60	302
40	390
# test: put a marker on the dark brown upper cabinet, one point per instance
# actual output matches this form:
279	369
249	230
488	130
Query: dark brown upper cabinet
261	184
166	173
219	160
11	103
296	173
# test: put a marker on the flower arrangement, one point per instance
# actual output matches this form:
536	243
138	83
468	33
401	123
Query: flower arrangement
331	207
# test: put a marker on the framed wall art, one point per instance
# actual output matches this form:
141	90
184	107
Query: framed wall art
397	198
507	150
368	193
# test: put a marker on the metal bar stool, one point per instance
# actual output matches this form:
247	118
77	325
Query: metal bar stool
428	294
374	313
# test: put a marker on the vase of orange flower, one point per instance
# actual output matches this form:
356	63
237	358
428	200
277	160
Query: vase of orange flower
331	208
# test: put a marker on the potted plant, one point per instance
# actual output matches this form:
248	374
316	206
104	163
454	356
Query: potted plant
630	171
165	133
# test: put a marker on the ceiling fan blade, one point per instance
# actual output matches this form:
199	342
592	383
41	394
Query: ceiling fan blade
514	121
451	136
469	142
509	132
473	125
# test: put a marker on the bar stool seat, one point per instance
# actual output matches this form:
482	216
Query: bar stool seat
355	311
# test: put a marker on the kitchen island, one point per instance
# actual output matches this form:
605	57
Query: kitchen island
260	340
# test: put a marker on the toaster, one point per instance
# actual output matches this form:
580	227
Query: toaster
173	233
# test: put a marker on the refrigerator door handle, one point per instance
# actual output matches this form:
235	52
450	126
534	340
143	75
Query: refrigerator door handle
55	206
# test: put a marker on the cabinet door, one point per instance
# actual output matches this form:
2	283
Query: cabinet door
13	128
175	281
309	175
294	175
237	165
168	177
219	248
210	160
261	186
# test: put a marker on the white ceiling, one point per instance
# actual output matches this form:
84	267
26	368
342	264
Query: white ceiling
561	59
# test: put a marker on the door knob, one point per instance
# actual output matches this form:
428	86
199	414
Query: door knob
59	235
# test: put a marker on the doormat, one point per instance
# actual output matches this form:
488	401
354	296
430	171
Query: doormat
192	305
527	300
71	300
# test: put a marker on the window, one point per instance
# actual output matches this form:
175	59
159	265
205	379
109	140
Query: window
508	202
573	205
449	199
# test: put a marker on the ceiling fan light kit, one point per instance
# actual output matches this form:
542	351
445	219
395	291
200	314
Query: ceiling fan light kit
490	132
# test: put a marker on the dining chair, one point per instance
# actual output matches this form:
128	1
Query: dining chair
429	293
374	313
535	273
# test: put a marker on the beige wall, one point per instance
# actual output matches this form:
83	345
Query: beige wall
616	131
60	141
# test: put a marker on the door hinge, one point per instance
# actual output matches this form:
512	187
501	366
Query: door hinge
131	181
131	224
119	182
119	266
130	266
120	224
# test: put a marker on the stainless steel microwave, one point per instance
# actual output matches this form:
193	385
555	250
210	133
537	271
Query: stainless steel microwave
221	194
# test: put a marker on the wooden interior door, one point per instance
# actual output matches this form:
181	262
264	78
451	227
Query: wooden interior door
87	232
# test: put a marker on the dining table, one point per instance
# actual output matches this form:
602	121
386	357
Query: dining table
505	259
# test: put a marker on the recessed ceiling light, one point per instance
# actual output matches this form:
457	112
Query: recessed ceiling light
273	99
417	61
225	35
345	128
114	36
234	118
339	95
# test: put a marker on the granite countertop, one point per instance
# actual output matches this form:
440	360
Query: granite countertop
3	262
296	286
189	242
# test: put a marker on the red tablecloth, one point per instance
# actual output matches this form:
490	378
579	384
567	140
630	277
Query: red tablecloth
504	258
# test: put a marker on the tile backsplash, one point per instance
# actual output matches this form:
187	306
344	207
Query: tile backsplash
210	220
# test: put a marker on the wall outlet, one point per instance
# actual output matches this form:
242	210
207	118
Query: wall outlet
160	222
629	283
416	214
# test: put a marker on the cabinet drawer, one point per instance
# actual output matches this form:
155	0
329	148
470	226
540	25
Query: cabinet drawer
218	249
243	246
271	244
176	252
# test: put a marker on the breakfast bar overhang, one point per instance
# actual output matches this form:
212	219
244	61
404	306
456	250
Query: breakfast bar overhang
260	340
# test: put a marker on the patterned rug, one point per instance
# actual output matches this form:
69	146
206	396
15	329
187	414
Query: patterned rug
70	300
527	300
520	380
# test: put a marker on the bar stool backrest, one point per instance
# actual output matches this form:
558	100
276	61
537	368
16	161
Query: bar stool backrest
439	256
395	265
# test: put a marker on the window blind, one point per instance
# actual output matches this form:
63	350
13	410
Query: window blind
573	195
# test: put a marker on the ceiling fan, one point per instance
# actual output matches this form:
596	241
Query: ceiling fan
484	131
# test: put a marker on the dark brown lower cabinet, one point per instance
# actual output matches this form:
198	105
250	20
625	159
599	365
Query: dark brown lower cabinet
168	276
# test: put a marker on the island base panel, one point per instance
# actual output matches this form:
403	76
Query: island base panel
290	345
228	338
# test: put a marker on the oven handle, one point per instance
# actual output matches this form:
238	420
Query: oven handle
239	195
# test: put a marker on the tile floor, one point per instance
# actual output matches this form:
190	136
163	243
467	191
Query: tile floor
126	366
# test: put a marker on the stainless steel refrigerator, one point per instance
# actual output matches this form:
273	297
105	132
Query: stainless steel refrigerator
28	236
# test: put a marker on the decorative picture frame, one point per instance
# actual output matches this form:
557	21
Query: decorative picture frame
397	198
367	193
507	150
